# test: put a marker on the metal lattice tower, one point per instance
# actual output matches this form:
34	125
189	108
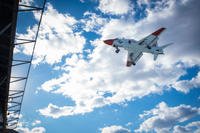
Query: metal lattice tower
14	70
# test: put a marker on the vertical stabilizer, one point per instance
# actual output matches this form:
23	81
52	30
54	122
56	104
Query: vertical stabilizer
159	50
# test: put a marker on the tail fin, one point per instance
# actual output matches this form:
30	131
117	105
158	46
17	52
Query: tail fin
159	50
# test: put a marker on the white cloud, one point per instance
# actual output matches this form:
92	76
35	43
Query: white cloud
36	122
23	127
55	111
129	124
115	129
92	21
56	37
115	7
184	40
163	118
186	85
86	82
33	130
193	127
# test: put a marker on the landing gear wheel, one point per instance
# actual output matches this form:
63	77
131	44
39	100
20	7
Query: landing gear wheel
117	51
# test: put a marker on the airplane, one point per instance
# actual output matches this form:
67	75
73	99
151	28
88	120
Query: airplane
137	48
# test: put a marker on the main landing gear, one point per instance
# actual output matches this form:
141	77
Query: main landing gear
117	50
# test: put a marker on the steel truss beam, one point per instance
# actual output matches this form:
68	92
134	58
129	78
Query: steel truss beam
15	97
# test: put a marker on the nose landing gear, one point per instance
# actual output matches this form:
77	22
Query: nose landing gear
117	49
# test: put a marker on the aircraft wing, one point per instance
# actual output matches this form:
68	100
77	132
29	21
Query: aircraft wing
151	40
133	57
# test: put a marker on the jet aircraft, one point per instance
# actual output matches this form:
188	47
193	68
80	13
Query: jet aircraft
137	48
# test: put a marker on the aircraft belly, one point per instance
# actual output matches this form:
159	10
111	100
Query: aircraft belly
146	50
138	48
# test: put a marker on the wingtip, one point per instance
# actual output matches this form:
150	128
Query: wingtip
129	63
158	32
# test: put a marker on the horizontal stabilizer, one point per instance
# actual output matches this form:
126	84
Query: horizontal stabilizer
159	50
166	45
155	56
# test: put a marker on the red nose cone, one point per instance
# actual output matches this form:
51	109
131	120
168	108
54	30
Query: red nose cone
109	42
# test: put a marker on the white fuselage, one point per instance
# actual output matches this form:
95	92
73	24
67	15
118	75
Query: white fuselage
131	44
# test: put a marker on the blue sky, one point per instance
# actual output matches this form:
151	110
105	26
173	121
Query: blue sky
78	84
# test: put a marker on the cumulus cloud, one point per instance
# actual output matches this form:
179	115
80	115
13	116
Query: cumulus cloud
36	122
33	130
24	126
55	111
186	85
87	82
163	118
56	37
115	7
118	28
164	14
193	127
99	77
115	129
92	21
